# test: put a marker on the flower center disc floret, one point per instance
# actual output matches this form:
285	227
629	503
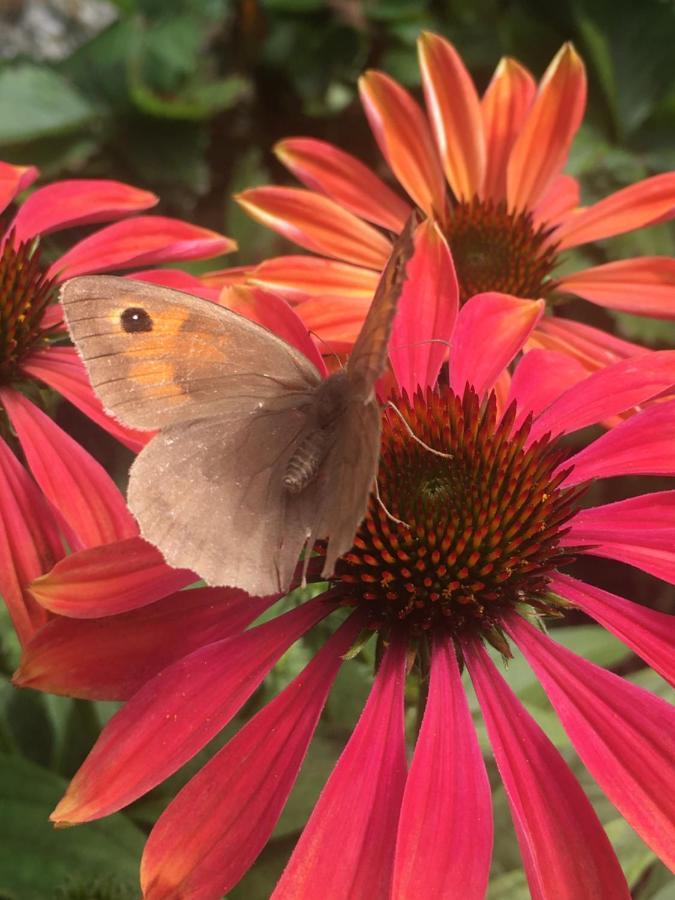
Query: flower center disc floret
25	292
482	528
497	250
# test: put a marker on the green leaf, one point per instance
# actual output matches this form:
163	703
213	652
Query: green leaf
510	886
36	102
39	860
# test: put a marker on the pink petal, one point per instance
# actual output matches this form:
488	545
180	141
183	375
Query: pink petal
13	179
403	135
220	278
65	204
317	223
214	829
176	713
62	369
648	633
113	657
177	279
455	113
274	313
639	531
342	177
356	816
641	445
541	149
427	310
559	200
505	106
298	277
445	829
498	321
624	735
538	380
90	506
108	579
141	241
29	542
635	206
566	852
644	286
593	347
607	393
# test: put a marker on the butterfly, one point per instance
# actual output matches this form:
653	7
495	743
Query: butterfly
256	456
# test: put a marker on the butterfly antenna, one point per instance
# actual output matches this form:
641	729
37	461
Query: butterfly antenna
414	436
331	352
387	513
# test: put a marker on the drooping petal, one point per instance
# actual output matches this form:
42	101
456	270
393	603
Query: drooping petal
356	816
13	179
141	241
639	531
177	279
505	106
559	200
29	542
275	314
234	802
176	713
325	168
593	347
403	135
107	579
635	206
62	369
606	393
298	277
539	378
317	223
624	735
426	314
541	149
113	657
566	852
648	633
336	325
90	505
445	830
641	445
455	113
644	286
496	321
65	204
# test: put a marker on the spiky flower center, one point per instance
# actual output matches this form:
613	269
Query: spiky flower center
497	250
25	292
482	528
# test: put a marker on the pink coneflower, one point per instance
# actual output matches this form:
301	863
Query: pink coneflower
490	171
76	498
470	552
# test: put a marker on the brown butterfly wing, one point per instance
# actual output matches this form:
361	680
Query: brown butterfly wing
369	354
157	356
210	495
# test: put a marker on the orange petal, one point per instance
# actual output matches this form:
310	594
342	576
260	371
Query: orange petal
645	285
402	132
558	201
343	178
593	347
644	203
455	113
300	277
542	147
336	324
317	223
505	106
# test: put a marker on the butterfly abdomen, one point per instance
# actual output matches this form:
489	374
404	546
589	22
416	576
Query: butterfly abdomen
303	466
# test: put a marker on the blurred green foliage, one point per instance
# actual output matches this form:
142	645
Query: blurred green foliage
186	97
